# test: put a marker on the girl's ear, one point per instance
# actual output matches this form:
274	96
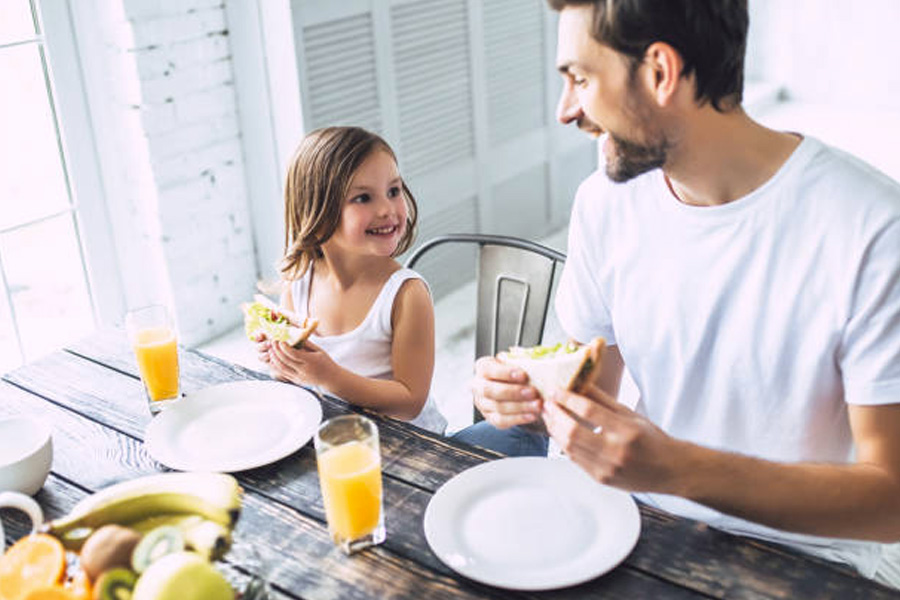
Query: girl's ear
662	75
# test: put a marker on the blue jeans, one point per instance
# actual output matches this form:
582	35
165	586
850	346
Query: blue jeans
515	441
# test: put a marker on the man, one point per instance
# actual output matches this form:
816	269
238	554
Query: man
750	281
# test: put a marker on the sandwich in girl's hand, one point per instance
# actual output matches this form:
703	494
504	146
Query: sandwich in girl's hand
263	319
568	366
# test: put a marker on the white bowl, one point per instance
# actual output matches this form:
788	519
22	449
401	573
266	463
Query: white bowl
26	452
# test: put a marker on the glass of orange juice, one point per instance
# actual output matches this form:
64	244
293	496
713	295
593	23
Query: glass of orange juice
349	462
152	336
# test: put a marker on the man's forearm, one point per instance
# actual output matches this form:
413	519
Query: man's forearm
859	501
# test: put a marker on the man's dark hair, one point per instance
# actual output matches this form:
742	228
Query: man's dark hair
710	35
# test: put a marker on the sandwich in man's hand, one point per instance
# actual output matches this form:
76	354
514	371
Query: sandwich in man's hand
568	366
263	319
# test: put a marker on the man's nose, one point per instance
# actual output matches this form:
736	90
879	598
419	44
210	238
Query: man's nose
568	109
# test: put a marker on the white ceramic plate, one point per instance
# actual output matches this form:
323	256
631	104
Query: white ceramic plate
530	524
234	426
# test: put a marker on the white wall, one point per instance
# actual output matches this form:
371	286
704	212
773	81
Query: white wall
832	52
162	99
833	61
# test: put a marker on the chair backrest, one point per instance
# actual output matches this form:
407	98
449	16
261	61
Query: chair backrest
514	280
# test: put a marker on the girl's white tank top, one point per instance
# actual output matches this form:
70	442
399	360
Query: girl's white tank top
366	350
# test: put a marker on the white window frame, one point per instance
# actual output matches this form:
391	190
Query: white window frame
79	153
268	89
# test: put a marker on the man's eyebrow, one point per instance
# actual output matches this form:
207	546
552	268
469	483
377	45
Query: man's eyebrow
564	68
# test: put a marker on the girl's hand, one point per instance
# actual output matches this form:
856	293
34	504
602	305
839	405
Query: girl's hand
263	350
308	364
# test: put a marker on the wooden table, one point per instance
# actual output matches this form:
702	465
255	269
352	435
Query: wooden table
91	395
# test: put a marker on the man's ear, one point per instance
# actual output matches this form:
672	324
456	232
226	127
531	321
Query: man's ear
663	73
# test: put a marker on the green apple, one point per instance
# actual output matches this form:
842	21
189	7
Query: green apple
182	576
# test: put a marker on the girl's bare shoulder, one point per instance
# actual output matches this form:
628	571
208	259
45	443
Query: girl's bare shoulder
413	298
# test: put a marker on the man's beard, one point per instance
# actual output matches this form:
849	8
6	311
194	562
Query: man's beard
631	159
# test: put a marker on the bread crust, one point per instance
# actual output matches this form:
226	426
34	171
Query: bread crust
583	377
306	330
585	372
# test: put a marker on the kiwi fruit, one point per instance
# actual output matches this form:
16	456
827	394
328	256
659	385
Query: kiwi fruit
107	547
115	584
155	544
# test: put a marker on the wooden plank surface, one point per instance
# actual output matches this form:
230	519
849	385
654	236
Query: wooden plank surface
408	453
292	547
287	536
674	557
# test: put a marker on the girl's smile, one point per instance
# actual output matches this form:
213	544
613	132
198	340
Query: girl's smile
386	230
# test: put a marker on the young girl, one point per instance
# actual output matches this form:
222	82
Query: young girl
348	213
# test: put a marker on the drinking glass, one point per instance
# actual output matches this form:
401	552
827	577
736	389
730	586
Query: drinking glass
152	336
349	460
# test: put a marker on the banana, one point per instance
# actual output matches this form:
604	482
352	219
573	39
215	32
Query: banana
216	488
213	496
181	521
207	538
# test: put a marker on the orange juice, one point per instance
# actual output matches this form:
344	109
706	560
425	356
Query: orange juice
350	476
157	359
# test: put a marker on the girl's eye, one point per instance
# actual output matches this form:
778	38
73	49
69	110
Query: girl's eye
361	199
394	192
579	81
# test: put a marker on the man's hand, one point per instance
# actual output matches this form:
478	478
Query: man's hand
614	444
619	447
503	395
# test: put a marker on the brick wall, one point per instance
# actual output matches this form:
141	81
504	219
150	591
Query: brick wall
178	95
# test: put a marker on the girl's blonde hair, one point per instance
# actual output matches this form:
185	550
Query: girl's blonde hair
318	181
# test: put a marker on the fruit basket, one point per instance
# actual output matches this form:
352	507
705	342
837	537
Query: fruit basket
158	537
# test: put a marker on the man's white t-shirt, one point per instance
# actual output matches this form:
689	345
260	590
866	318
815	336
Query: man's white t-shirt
750	326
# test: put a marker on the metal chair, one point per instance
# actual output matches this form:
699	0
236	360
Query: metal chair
514	282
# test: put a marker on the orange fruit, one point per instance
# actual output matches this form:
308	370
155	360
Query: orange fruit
53	592
80	586
35	561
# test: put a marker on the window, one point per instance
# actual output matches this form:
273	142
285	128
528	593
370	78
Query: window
46	296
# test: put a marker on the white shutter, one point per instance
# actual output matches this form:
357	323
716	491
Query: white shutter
463	90
433	93
574	164
340	71
515	70
451	265
519	204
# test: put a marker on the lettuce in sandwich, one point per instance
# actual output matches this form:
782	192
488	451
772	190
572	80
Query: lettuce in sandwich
263	320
